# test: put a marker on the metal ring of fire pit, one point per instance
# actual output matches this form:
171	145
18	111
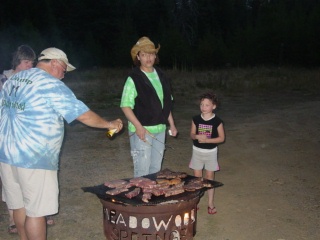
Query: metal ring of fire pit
169	221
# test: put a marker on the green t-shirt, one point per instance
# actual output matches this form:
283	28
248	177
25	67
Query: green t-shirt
130	93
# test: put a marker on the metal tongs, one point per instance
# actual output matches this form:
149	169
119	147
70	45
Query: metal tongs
168	146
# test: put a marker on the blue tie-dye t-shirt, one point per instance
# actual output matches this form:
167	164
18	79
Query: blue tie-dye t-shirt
33	105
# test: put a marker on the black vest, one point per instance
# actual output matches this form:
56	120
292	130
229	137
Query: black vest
148	108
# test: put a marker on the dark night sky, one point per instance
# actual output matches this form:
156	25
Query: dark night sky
197	34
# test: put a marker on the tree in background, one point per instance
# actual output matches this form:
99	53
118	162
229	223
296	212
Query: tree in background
192	33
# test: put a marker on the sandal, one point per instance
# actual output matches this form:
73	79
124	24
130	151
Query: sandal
50	220
12	229
212	210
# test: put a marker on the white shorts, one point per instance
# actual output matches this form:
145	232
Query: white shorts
36	190
204	159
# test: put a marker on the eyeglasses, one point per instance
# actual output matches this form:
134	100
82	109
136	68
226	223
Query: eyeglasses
64	69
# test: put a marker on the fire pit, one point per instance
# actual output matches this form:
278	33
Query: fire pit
162	217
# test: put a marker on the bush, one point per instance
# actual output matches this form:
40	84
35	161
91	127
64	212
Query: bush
100	88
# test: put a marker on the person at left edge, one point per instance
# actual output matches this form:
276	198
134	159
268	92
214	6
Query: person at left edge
22	59
34	103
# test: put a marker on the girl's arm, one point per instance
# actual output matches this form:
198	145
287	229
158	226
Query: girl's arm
193	131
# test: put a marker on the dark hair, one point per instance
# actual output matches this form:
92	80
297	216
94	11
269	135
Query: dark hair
137	62
211	96
24	52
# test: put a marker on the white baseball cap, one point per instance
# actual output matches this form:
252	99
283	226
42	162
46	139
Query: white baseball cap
55	53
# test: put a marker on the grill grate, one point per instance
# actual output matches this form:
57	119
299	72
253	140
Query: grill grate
100	192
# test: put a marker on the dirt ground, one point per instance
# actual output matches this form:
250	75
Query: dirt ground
269	167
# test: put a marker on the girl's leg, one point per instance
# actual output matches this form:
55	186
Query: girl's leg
197	173
210	176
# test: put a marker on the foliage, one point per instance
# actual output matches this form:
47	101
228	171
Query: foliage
194	34
103	87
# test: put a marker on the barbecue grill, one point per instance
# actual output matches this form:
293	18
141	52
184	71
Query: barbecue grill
165	218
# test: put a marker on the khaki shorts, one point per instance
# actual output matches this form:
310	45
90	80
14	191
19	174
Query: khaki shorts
36	190
204	159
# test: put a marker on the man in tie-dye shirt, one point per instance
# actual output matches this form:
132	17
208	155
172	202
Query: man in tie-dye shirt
33	106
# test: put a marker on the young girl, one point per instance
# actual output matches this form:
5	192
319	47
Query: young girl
206	132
